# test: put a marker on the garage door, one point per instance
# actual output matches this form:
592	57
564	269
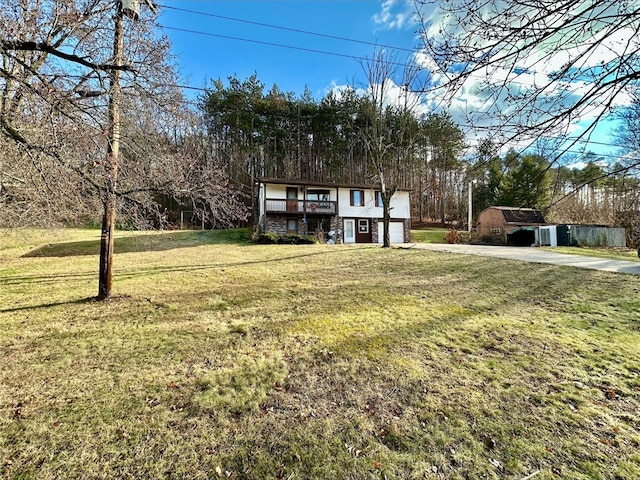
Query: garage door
396	232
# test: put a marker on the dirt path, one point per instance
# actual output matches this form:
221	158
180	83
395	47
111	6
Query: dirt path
535	255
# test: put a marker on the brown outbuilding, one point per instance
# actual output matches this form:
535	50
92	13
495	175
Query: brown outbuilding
509	225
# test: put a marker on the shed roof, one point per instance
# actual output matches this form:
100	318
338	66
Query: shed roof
521	215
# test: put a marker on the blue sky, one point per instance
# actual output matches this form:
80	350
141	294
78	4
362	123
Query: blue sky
205	57
220	38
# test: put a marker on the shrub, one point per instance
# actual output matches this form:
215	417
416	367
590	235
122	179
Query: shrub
453	236
266	238
297	239
272	238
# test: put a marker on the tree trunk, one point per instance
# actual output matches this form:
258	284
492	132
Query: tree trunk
386	215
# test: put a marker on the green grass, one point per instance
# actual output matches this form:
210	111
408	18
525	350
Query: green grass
216	358
429	235
611	253
77	242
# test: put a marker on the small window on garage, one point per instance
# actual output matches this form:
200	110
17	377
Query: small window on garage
495	231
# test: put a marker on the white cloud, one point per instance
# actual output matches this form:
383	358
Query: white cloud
393	94
497	91
394	14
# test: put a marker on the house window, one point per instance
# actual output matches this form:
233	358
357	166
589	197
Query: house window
318	195
292	226
363	225
495	231
318	199
357	198
378	195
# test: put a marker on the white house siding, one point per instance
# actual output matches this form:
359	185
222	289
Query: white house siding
399	205
276	191
279	191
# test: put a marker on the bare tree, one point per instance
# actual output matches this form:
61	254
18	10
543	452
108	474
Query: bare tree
390	129
535	66
626	180
63	66
629	134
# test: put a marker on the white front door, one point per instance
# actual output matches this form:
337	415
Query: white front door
350	231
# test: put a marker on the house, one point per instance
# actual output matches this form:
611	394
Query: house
347	213
510	225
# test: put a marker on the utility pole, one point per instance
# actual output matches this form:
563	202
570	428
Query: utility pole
470	210
131	9
111	161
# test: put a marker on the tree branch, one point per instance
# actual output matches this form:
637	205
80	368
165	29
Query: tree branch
8	45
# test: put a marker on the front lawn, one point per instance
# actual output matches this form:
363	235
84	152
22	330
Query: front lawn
231	360
429	235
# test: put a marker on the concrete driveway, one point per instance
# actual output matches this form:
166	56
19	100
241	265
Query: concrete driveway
535	255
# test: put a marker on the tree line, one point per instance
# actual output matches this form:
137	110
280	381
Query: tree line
260	133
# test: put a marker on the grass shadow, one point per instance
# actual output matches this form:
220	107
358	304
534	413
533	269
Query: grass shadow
54	278
192	268
80	301
152	242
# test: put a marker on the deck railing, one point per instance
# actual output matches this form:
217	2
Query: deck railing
277	205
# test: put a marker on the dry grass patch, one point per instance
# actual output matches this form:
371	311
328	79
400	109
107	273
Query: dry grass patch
219	359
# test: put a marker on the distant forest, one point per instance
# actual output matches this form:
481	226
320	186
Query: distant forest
255	133
278	135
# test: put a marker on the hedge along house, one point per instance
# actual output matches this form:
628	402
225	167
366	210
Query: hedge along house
510	225
351	213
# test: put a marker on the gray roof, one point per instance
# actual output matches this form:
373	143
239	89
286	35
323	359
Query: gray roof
282	181
521	215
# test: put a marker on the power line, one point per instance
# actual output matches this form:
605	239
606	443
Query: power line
511	81
608	155
592	142
272	44
289	29
325	52
325	35
306	32
582	140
